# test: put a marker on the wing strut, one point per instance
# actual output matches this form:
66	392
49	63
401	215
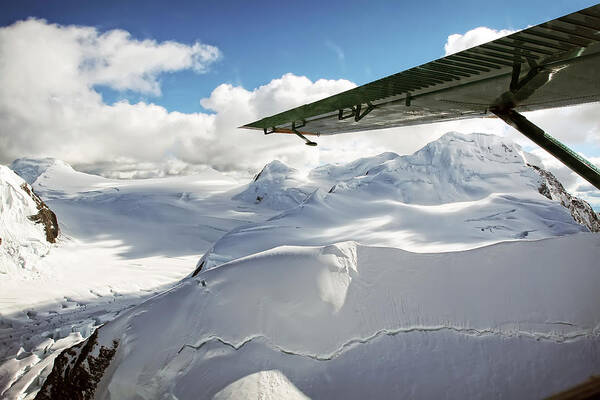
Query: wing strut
306	140
571	159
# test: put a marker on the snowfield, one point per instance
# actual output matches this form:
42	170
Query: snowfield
463	270
514	319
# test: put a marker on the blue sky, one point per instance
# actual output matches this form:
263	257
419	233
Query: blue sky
359	41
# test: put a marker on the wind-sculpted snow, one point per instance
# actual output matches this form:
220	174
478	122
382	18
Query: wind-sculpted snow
326	304
338	173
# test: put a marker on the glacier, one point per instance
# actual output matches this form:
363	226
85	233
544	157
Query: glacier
394	274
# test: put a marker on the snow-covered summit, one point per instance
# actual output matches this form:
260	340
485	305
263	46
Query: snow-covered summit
456	167
277	186
337	173
27	225
30	169
49	175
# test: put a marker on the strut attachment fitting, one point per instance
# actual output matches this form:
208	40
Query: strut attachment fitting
341	115
356	112
358	116
521	89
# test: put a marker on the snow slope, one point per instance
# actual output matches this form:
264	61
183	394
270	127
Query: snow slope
512	320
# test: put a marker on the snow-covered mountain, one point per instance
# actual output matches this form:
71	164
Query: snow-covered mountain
385	276
27	226
31	169
276	186
454	168
459	192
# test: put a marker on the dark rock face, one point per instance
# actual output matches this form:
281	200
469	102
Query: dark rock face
45	215
581	211
77	371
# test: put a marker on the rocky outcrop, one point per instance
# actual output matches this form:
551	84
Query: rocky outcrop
28	227
77	370
45	215
581	211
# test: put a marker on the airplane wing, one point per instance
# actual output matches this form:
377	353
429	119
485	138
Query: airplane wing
553	64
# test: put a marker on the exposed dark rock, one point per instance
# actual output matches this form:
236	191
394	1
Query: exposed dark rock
198	269
581	211
258	175
77	372
45	215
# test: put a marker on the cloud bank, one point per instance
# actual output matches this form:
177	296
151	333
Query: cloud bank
48	105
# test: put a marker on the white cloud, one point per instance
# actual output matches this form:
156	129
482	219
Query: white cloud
117	60
67	59
48	105
458	42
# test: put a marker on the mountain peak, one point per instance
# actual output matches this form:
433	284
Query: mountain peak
274	170
277	186
31	168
